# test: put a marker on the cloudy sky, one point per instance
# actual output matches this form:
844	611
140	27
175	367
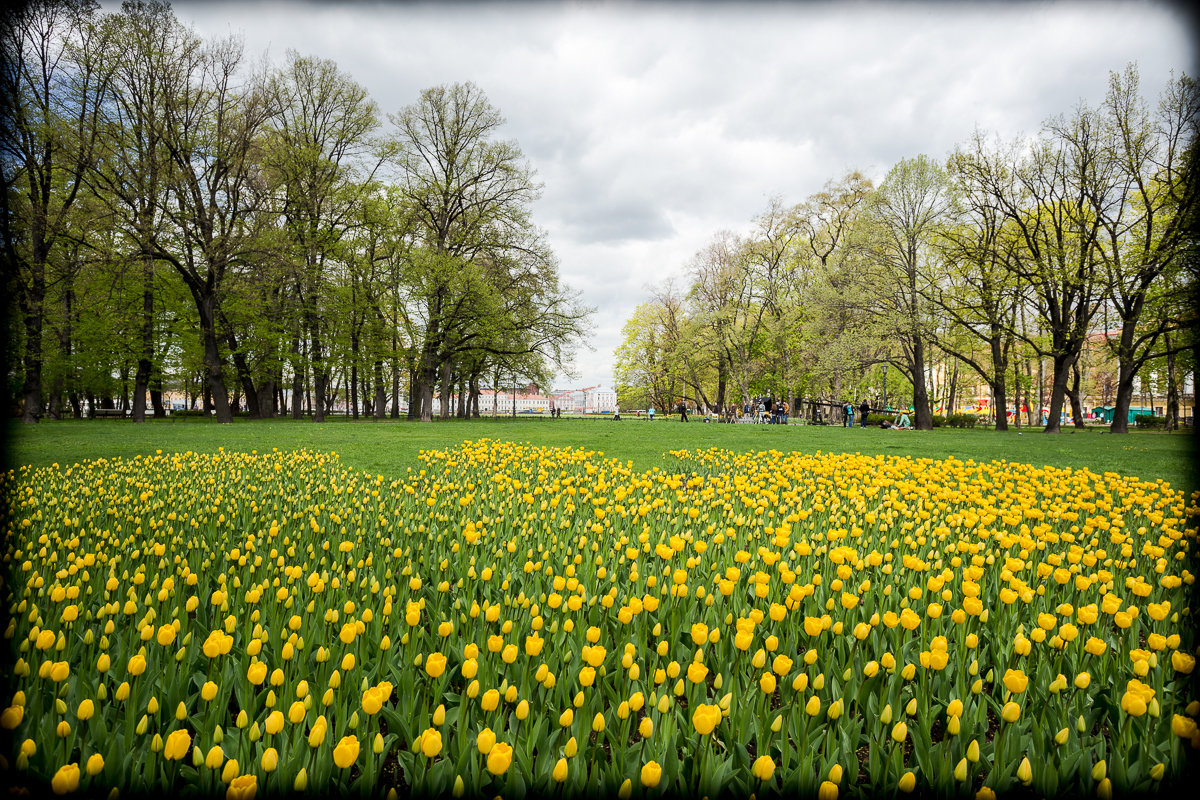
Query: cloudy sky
654	125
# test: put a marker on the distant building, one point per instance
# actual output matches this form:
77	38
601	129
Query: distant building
498	402
588	400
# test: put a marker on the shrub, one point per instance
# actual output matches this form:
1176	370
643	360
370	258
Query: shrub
878	419
1149	421
962	420
939	421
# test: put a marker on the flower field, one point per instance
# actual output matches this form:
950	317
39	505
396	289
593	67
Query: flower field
511	619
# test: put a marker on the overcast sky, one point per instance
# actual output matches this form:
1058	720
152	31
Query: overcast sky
654	125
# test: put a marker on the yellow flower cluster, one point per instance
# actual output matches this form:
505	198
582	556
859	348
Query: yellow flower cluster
511	618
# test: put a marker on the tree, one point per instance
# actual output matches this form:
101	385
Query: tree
51	89
978	295
901	220
642	376
210	128
836	337
317	139
730	289
1144	222
465	189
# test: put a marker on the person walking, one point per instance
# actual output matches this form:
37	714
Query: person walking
650	413
864	409
683	412
848	414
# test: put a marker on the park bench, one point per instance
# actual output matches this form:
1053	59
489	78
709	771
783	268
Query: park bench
107	413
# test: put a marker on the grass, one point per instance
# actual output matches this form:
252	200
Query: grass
391	447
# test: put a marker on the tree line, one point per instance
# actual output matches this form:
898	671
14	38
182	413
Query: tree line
258	239
1024	265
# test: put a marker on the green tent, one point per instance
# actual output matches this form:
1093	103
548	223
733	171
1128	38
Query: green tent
1106	412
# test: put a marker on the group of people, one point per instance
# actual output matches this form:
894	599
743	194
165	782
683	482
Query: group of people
848	414
769	411
864	411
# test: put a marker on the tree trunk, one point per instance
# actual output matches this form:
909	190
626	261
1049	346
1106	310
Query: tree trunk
953	390
207	403
297	376
31	309
721	381
245	379
65	334
427	371
1028	394
444	390
923	415
380	395
415	394
1073	394
427	398
999	384
354	383
1172	387
206	306
320	373
266	399
141	381
1058	390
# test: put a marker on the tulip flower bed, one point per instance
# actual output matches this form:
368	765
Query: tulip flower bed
510	619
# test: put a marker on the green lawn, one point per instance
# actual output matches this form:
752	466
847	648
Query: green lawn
390	447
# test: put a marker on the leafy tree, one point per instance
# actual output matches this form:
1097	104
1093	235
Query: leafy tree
52	87
1143	219
901	221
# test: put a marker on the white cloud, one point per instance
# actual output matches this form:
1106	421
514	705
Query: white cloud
653	126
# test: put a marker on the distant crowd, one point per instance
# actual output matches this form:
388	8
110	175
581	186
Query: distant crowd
769	411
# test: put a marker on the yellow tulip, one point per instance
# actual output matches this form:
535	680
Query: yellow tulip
243	787
1025	771
651	774
485	740
66	779
500	758
431	743
178	744
345	752
706	718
